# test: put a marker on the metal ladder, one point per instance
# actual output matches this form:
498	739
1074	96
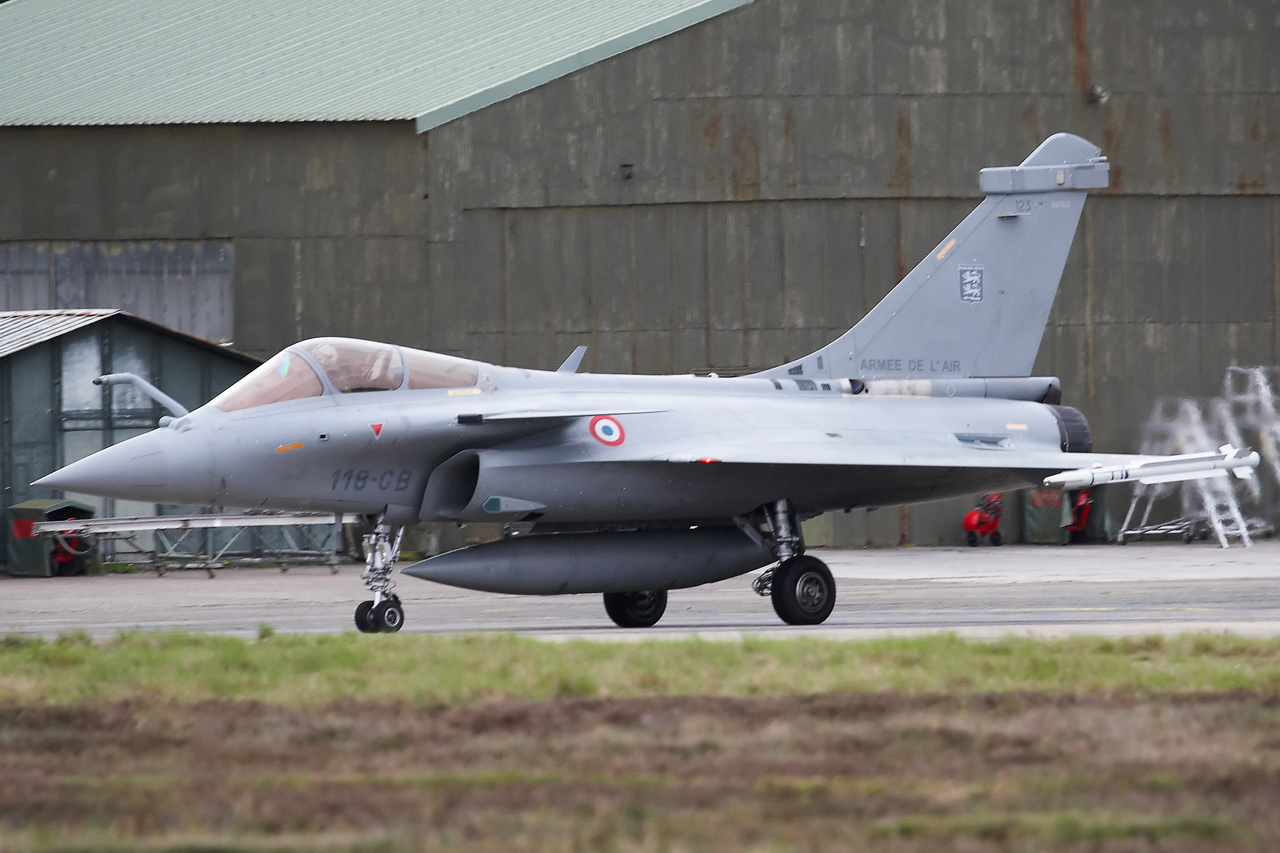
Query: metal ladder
1248	391
1177	425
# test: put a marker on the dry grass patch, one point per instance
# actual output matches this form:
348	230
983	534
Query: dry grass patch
889	771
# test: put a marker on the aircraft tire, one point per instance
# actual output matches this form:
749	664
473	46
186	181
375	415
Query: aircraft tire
636	609
803	591
363	625
388	616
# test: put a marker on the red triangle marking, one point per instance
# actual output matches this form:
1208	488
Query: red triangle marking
377	428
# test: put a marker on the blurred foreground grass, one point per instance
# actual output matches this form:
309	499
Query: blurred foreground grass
310	670
169	742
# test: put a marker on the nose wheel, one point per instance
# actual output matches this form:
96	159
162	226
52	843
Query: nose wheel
387	617
383	613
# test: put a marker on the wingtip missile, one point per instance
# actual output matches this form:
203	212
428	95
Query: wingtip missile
1188	466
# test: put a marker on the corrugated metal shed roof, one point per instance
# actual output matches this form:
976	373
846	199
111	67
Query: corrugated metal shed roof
184	62
22	329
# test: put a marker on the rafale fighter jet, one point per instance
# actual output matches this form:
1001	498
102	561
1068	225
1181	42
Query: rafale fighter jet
637	485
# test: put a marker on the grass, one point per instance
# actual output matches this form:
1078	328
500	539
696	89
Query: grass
1060	828
355	744
299	670
100	842
631	828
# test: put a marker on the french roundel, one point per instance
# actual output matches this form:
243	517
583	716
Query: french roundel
608	431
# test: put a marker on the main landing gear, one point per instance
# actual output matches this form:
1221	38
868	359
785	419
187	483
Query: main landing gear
802	589
383	613
636	609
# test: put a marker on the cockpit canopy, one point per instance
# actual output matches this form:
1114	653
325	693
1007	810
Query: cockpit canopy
350	366
354	366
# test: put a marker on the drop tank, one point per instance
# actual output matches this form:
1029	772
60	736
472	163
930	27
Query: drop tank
559	563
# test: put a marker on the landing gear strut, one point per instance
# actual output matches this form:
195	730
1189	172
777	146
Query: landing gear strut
383	612
801	586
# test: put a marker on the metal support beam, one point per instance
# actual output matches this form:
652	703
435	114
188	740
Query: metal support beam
188	522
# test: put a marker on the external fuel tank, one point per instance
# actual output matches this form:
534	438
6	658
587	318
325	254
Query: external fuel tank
558	563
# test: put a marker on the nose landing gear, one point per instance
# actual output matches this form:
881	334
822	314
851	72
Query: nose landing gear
383	613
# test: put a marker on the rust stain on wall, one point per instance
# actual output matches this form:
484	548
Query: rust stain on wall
1112	143
708	120
1252	175
1027	123
744	175
1080	45
900	183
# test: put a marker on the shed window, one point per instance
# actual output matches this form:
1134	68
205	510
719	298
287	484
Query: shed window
433	370
81	364
285	377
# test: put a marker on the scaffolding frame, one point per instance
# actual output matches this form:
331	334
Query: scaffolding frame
302	542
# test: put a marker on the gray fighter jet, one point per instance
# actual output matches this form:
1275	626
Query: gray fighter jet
637	485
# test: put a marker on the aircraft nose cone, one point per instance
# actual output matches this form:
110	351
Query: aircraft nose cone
163	465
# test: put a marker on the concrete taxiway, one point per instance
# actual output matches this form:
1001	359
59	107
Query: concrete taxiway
1136	589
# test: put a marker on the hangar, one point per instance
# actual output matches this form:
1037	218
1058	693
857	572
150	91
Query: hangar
681	185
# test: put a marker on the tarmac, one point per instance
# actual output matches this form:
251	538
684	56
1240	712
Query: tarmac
1137	589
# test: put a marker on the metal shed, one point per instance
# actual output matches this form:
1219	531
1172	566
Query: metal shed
51	413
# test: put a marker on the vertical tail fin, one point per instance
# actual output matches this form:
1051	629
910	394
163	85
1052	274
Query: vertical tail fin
978	303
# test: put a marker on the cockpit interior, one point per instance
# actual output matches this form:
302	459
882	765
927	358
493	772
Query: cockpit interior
348	366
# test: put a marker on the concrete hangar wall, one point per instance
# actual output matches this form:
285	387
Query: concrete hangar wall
734	194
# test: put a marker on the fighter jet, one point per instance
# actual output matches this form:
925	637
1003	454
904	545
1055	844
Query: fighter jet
638	485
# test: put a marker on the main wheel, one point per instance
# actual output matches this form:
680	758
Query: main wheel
388	616
636	609
803	591
363	625
996	538
972	538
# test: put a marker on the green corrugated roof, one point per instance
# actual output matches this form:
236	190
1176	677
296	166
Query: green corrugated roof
184	62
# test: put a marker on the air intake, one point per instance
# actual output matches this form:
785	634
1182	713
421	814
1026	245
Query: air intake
1074	429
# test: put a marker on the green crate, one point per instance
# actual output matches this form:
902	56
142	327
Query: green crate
41	556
